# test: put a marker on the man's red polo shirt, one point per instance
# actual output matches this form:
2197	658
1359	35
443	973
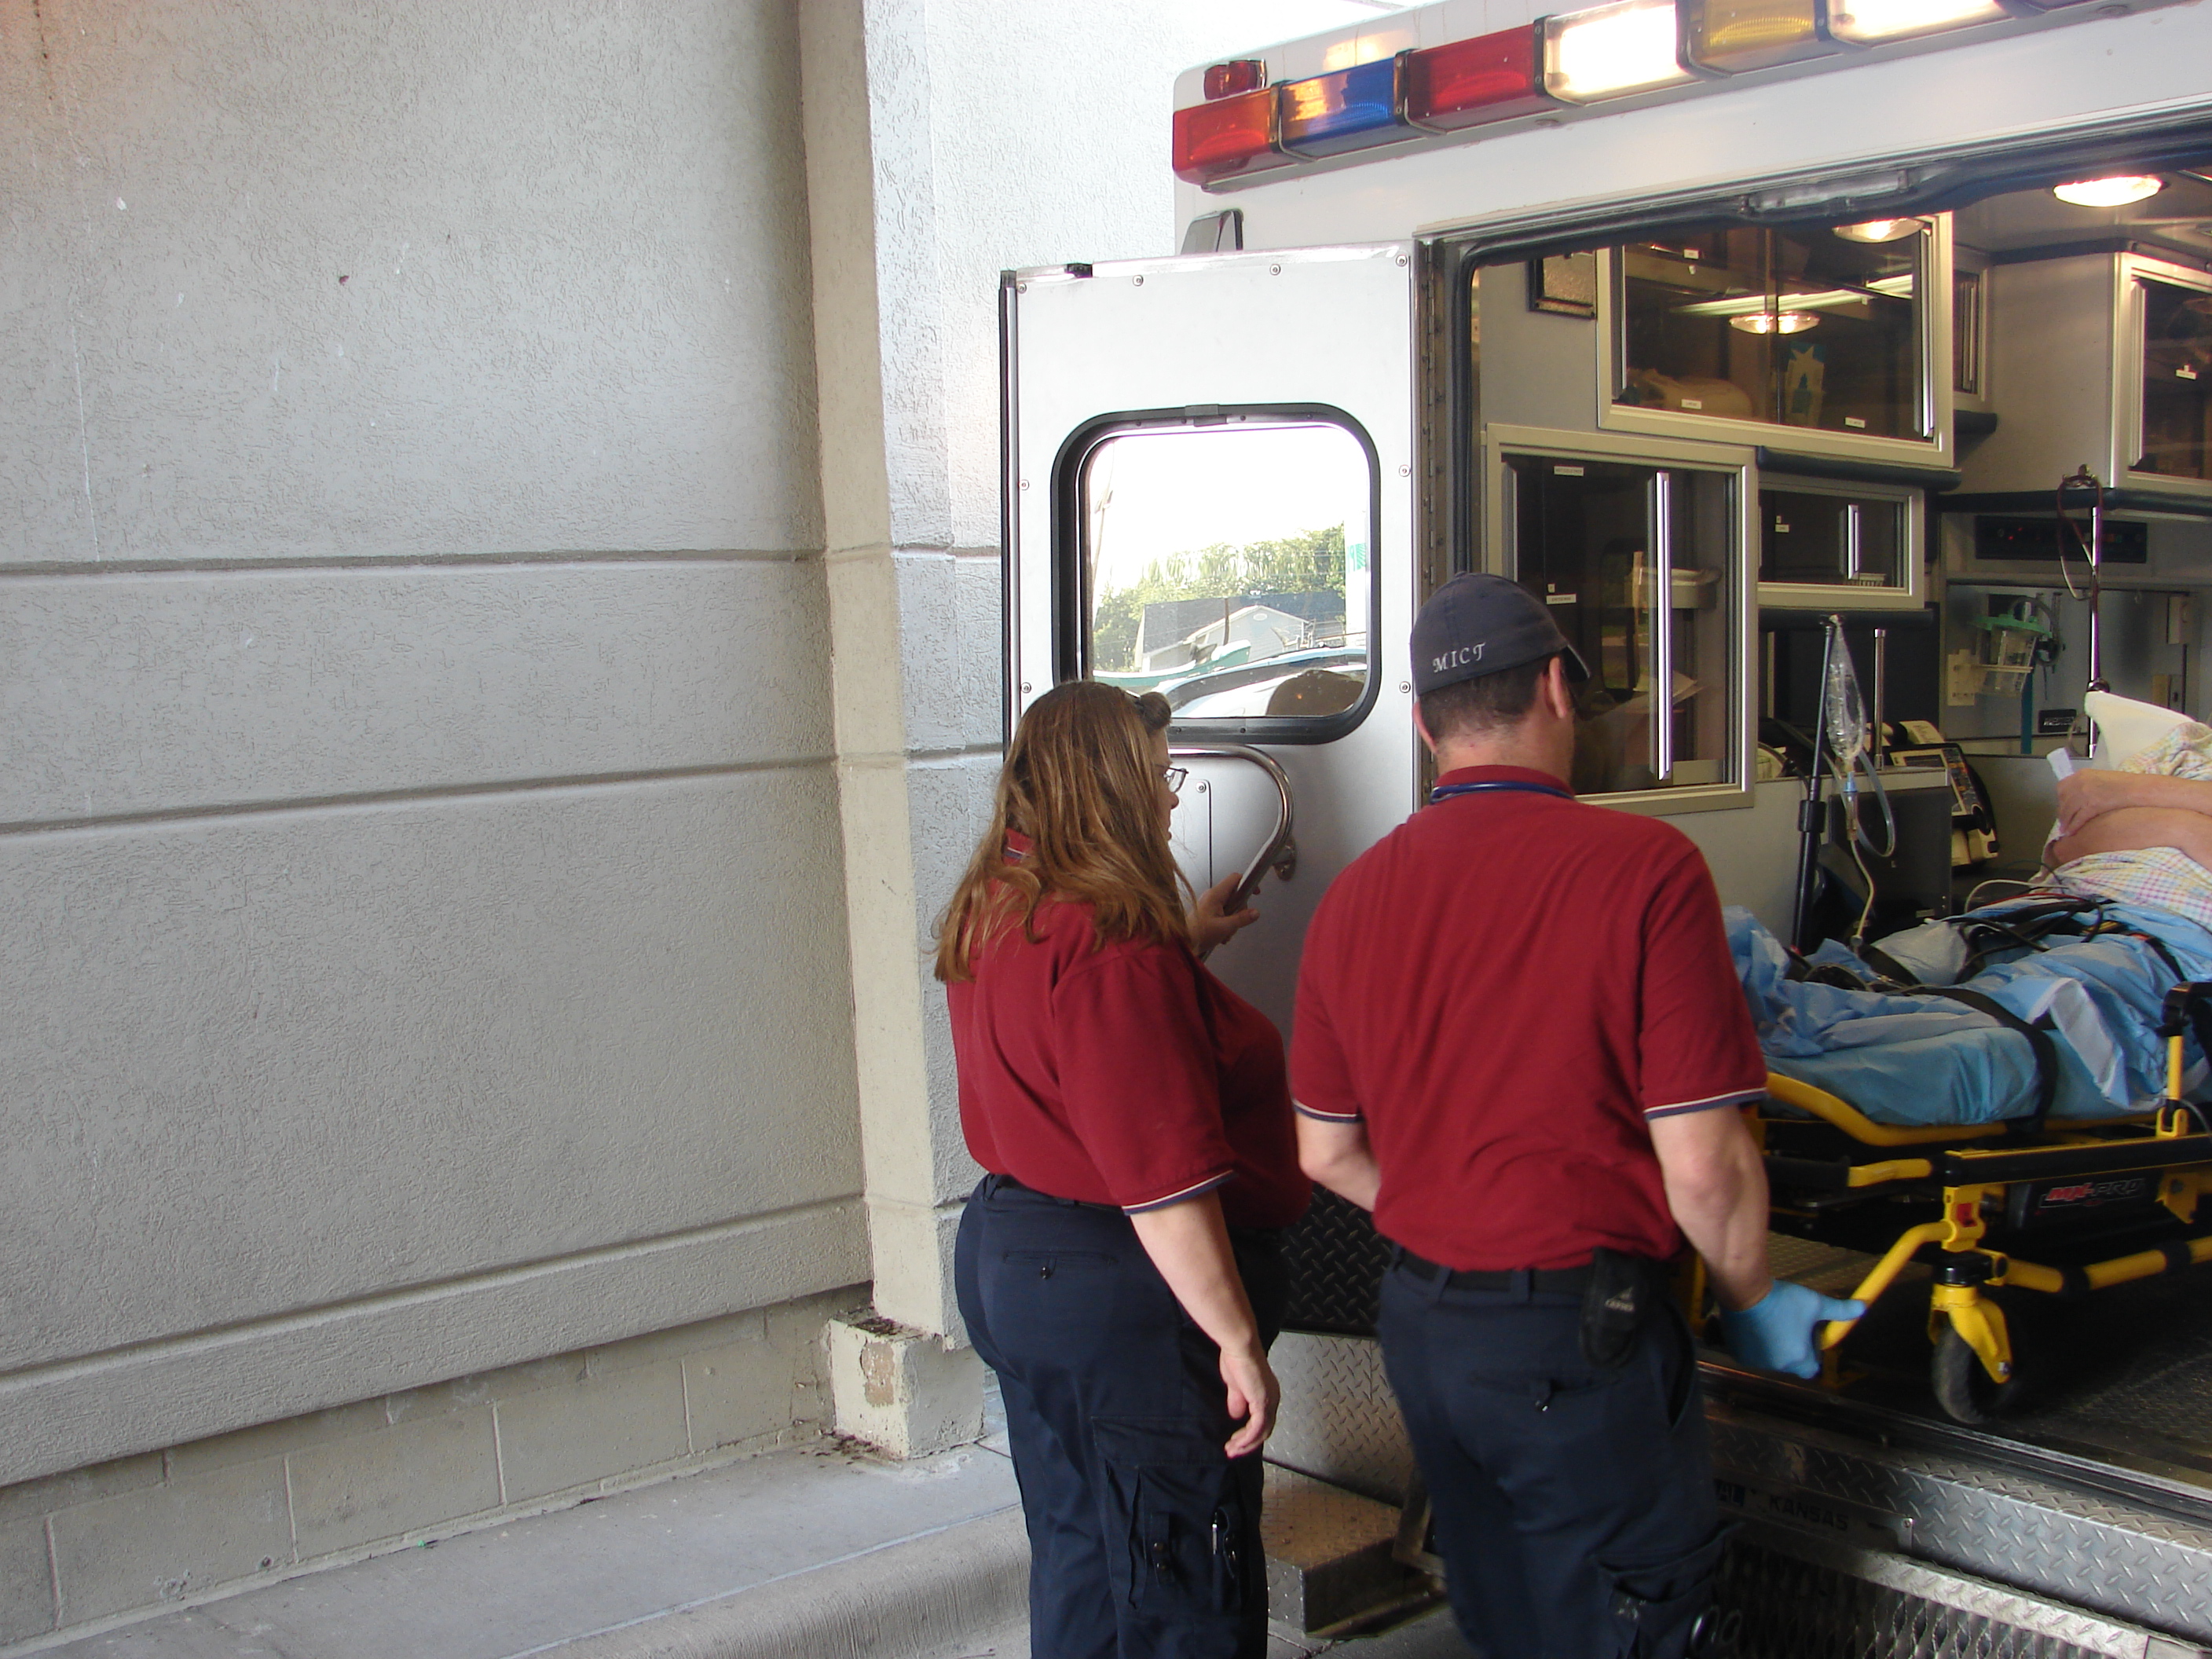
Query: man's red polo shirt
1504	989
1123	1074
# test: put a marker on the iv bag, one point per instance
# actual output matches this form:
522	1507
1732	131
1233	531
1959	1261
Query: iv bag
1844	722
1841	709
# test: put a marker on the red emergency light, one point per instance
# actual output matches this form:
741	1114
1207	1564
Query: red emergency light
1491	78
1230	136
1237	75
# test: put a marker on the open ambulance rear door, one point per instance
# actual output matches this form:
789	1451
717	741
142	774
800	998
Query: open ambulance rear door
1210	490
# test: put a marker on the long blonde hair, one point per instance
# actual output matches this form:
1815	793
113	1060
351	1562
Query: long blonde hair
1080	782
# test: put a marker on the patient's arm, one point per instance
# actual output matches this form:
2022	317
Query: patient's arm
2088	795
2132	829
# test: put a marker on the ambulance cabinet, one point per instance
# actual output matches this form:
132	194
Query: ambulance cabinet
2103	358
1637	560
1819	342
1825	544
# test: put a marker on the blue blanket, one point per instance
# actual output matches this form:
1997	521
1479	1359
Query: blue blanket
1916	1060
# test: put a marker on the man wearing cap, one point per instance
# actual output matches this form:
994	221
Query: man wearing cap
1519	1040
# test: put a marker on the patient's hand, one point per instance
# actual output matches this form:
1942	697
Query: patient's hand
2090	794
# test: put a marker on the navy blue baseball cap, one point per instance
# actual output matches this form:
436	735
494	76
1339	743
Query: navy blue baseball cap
1475	625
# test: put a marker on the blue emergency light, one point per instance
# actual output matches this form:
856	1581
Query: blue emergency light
1350	109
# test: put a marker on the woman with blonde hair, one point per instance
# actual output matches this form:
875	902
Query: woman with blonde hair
1119	1266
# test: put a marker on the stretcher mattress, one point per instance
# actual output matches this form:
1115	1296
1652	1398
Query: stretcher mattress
1917	1060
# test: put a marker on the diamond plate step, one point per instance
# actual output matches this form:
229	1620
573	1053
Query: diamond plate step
1328	1555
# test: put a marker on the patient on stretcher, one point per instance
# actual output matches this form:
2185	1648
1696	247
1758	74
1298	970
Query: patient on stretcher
2140	833
2086	960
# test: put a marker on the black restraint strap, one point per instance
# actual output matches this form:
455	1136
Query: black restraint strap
2023	926
2158	948
1887	966
2039	1042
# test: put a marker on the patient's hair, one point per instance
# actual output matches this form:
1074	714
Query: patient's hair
1080	782
1468	708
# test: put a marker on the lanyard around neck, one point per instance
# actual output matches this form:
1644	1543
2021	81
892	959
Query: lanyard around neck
1445	792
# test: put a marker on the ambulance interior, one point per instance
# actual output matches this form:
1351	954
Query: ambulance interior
1731	455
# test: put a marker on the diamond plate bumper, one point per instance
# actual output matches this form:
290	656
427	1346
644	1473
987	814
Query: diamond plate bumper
2098	1538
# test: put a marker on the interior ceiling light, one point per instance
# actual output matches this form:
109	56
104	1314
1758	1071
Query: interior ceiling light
1757	306
1775	322
2109	192
1870	22
1879	230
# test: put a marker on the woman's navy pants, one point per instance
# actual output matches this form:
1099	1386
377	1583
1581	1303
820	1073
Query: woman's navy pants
1144	1535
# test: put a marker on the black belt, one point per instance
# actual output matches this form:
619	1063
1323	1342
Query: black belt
1265	1237
1553	1281
1006	1182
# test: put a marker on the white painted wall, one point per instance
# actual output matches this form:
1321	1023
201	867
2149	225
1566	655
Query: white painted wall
997	134
421	921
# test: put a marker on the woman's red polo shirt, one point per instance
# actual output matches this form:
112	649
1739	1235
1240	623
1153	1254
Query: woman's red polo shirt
1125	1074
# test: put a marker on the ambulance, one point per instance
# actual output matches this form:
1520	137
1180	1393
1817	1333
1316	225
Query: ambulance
1749	334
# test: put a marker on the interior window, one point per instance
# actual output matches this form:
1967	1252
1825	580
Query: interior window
1829	538
1228	567
1807	328
2177	373
1600	541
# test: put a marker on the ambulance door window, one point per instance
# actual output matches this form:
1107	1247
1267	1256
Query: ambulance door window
1227	565
1600	541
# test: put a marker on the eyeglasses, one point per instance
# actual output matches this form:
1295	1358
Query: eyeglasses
1172	776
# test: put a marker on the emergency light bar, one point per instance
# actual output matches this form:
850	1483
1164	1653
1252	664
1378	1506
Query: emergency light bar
1568	59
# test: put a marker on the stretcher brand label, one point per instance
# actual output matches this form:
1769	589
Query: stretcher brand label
2089	1195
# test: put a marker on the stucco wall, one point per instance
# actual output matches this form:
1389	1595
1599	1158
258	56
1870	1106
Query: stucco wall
419	857
995	134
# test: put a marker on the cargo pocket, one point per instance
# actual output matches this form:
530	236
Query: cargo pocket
1180	1526
1657	1607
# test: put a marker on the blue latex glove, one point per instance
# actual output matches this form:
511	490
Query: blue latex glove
1779	1332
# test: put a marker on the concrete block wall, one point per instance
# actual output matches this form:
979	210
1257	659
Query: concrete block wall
94	1545
420	867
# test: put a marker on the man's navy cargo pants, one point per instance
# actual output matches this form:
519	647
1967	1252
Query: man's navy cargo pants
1574	1502
1144	1535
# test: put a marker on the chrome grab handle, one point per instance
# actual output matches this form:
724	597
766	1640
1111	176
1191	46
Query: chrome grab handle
1662	626
1280	854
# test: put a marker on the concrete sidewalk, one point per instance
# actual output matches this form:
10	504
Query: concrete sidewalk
824	1553
819	1550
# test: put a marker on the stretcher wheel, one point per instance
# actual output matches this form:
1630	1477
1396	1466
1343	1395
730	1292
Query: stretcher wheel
1962	1389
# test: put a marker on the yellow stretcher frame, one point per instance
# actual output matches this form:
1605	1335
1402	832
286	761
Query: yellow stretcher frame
1966	1266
